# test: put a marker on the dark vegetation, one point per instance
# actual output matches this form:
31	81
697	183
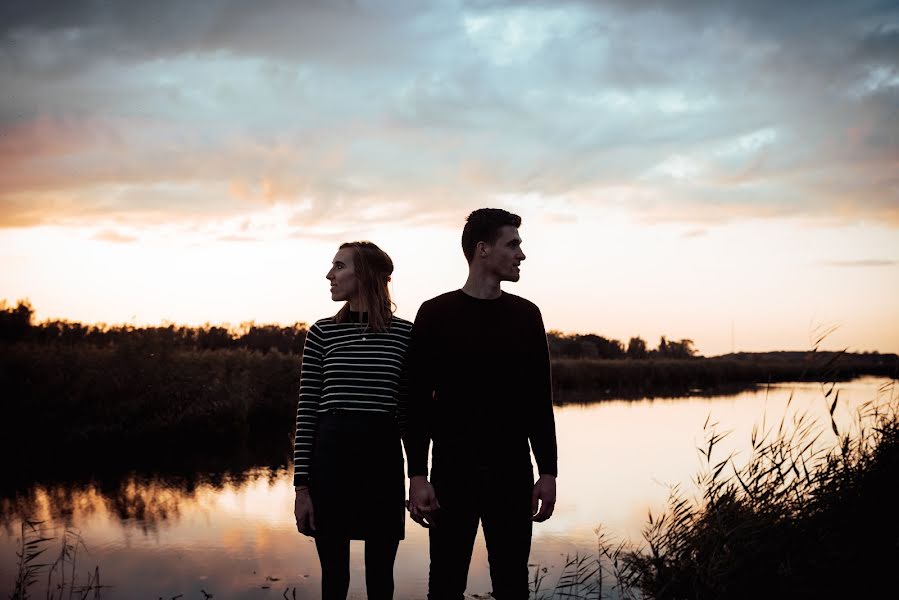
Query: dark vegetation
17	326
593	379
800	519
150	393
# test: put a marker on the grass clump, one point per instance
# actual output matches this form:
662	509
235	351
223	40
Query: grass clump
811	514
799	520
585	576
59	576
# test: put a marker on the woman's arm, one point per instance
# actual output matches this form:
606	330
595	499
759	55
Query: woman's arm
306	424
307	407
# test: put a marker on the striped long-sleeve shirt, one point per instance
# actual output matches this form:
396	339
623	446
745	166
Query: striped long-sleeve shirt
348	368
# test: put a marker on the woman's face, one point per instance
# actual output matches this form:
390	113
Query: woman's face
344	284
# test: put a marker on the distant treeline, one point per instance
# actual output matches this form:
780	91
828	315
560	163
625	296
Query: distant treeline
579	379
17	325
576	353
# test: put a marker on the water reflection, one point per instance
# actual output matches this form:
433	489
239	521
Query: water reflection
233	534
167	536
146	500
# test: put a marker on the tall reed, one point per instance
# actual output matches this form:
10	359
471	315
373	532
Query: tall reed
798	520
811	514
61	575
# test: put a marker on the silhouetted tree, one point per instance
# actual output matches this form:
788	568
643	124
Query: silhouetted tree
681	349
604	348
562	346
15	322
663	346
636	348
674	349
583	346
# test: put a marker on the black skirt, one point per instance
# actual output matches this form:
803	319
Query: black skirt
356	477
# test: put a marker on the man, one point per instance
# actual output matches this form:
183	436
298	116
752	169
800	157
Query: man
480	389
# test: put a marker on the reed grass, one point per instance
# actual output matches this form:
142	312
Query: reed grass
62	579
810	514
798	520
579	579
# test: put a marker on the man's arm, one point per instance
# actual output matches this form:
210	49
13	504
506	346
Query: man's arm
418	399
542	430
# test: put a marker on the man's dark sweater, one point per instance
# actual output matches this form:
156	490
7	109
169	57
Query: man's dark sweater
480	387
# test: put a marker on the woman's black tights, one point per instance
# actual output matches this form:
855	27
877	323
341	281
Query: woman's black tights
334	555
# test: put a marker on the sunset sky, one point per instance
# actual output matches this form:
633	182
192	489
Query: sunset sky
726	172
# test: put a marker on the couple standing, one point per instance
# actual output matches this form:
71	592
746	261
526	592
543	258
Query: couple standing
472	375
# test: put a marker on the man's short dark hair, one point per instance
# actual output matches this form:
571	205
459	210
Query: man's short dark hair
483	225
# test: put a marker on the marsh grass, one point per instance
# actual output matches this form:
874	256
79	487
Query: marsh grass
801	519
176	403
62	579
811	513
32	546
585	576
580	578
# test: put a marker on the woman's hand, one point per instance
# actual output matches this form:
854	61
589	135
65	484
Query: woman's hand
303	511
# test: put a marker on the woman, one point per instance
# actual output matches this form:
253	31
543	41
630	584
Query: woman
348	461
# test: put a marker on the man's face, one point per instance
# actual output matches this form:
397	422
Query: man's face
505	256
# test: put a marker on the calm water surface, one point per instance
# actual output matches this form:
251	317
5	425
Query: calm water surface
231	535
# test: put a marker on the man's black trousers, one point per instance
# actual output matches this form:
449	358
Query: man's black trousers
501	503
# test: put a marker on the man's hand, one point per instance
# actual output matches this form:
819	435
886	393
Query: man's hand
543	498
422	501
302	510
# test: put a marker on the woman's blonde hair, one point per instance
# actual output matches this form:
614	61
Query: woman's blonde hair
373	269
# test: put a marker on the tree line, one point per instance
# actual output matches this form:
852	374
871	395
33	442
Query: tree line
17	324
596	346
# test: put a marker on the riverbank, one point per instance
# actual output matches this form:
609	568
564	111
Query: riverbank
596	379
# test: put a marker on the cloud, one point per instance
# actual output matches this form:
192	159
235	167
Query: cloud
704	111
109	235
239	238
53	36
859	263
559	218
